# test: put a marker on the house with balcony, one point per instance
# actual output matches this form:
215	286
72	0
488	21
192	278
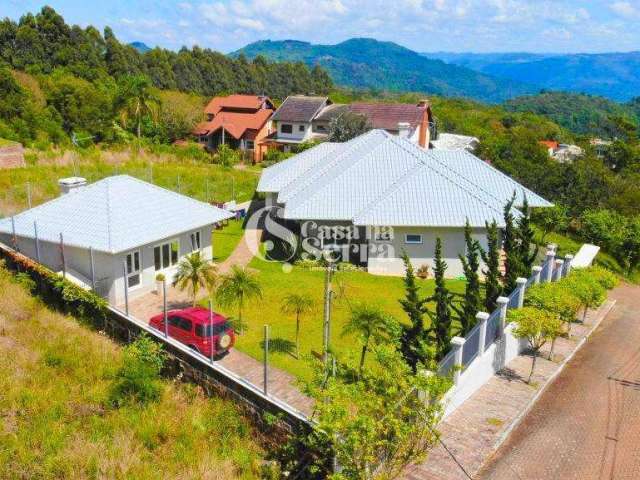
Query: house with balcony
305	118
240	121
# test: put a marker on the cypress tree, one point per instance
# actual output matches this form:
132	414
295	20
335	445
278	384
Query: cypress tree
414	338
510	245
442	298
491	258
526	241
470	265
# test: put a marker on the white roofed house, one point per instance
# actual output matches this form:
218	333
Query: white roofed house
394	196
125	224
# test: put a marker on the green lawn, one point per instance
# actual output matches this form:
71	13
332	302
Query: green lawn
190	177
226	240
568	244
351	286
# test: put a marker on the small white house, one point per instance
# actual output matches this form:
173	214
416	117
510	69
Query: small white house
382	195
116	229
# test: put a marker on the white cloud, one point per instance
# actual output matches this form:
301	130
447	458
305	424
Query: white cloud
625	9
250	23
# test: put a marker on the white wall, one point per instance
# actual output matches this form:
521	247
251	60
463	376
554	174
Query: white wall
385	257
296	134
108	267
483	367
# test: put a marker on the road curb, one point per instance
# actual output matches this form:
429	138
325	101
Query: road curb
601	315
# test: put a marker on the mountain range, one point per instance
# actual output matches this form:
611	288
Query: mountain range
612	75
492	77
370	64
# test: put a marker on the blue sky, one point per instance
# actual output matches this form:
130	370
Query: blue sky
422	25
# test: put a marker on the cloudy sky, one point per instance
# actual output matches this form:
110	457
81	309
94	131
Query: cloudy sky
423	25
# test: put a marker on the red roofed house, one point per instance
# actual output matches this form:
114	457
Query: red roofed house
240	121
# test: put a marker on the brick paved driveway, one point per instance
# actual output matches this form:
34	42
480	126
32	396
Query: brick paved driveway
587	424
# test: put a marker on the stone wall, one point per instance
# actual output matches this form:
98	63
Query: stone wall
12	156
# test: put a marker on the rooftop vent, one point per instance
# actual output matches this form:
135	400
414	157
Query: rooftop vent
71	184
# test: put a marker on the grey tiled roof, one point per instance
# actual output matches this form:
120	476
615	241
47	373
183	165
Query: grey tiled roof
381	179
299	108
115	214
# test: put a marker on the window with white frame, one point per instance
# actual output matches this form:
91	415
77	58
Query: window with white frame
133	268
166	255
413	238
195	241
286	128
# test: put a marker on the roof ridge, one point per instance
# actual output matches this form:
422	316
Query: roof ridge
362	142
402	144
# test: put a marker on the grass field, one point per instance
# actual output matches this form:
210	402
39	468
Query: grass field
190	177
55	421
568	244
350	287
226	240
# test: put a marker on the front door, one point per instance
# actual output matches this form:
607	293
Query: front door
133	269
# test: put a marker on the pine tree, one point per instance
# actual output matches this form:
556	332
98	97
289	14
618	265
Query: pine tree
525	240
443	299
491	258
510	245
414	339
470	265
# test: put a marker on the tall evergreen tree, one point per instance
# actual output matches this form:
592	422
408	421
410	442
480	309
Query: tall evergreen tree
470	265
491	258
510	245
527	248
414	337
443	300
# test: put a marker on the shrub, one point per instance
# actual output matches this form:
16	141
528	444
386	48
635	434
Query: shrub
556	298
603	276
589	292
138	378
423	272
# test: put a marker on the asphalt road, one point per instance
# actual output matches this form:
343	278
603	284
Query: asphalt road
586	425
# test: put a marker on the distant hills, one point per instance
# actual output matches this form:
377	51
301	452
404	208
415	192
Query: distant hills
612	75
140	46
371	64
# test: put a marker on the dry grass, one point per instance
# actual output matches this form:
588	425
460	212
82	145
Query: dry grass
55	422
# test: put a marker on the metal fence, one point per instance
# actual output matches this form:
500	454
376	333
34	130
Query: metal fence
471	346
513	298
447	363
493	325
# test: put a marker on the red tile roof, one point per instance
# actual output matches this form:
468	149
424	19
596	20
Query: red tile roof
388	115
550	144
248	102
235	123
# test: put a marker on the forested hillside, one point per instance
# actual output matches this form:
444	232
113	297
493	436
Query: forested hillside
56	79
370	64
613	75
582	114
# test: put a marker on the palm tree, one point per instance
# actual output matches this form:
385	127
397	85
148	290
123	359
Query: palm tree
136	99
195	273
297	304
370	323
237	286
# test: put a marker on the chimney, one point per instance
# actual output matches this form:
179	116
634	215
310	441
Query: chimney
71	184
424	134
403	129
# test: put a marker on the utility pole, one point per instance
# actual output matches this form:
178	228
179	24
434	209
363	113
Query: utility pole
327	312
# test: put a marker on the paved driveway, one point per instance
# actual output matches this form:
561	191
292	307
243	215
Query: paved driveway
587	424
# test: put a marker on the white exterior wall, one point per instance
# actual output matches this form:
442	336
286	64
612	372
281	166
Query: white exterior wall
108	267
485	366
296	134
385	257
